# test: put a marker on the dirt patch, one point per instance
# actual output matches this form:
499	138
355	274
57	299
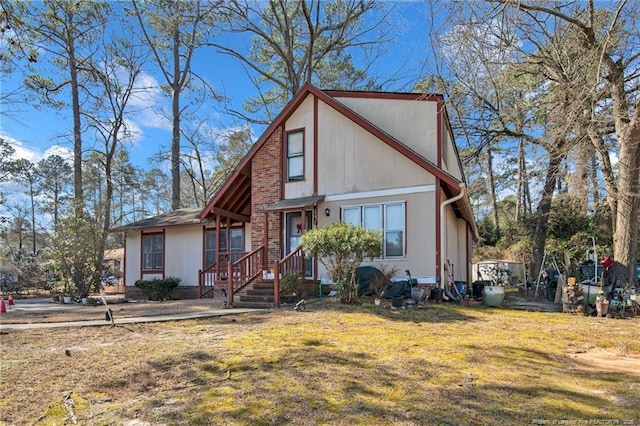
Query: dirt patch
599	360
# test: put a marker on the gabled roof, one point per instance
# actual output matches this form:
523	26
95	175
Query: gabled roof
451	183
179	217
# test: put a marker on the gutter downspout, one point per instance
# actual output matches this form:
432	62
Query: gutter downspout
443	221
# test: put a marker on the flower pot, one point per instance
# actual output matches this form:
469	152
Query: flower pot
377	301
493	295
66	299
85	300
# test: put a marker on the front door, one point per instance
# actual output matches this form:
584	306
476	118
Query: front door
293	232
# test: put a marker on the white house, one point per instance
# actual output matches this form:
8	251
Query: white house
380	160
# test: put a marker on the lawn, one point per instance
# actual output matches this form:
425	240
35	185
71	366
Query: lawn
333	364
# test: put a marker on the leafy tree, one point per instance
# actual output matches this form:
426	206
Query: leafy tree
606	38
342	247
75	247
24	170
6	163
155	191
295	42
174	31
64	32
55	178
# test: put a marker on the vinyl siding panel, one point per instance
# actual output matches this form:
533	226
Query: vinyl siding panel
350	159
302	118
414	123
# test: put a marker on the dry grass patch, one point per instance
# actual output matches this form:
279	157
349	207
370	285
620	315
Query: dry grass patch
332	364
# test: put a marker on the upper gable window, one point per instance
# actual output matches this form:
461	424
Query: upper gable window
295	155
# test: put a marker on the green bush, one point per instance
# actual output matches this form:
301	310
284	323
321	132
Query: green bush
290	283
341	248
158	289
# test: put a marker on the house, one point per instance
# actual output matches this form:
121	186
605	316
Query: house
380	160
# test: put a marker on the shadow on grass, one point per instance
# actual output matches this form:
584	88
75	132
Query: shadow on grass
432	313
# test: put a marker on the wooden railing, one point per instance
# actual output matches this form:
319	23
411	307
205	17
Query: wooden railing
291	263
216	273
243	271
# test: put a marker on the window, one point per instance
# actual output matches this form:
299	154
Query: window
152	252
210	246
295	155
389	218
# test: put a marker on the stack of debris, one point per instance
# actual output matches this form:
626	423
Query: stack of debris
572	298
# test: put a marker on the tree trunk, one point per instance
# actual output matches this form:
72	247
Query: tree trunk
542	213
175	136
491	188
77	135
625	237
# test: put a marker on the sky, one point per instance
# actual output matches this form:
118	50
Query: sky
36	132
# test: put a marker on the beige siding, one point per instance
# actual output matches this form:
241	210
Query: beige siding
132	257
352	160
302	118
414	123
450	161
455	249
420	229
183	254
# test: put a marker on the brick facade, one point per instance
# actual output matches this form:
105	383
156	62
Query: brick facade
266	188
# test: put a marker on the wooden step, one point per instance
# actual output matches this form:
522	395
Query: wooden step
256	298
252	305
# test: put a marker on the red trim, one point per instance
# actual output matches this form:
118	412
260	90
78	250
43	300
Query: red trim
164	254
315	145
388	139
283	161
438	230
204	247
327	98
439	132
384	95
285	151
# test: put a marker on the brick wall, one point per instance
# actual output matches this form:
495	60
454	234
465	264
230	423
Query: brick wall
266	184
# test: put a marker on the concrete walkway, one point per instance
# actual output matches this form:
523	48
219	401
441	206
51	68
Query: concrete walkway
133	320
44	305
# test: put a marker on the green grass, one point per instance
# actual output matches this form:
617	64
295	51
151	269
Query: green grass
334	364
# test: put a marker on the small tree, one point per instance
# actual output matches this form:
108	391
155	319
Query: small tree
341	248
75	251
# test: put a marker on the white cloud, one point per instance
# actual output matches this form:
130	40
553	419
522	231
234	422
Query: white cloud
22	151
146	100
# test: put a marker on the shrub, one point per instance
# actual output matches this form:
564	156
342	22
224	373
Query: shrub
158	289
290	283
341	248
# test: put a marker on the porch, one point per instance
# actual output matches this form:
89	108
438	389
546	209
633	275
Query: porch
245	281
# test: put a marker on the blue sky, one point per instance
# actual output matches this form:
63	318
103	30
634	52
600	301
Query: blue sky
35	133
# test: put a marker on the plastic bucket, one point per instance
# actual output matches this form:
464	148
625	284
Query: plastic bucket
416	294
493	295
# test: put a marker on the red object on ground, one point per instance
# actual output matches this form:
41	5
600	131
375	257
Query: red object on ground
606	262
10	301
3	309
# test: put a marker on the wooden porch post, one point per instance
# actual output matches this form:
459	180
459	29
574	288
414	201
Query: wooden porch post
265	241
217	272
276	284
230	284
303	224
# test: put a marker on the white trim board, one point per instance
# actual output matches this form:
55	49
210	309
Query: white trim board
380	193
